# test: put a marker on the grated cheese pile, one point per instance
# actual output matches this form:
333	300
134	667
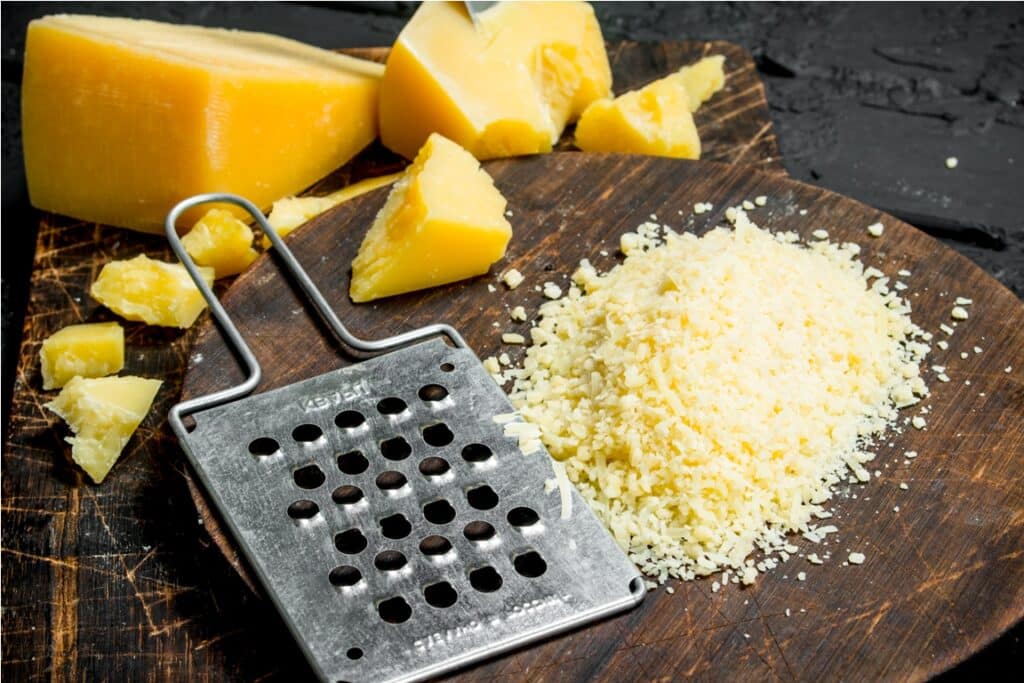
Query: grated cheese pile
705	394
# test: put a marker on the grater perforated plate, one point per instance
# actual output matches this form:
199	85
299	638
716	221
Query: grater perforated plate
400	533
397	530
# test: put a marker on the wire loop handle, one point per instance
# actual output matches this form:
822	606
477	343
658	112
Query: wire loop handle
234	337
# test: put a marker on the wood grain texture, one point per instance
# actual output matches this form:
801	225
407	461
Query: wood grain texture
943	576
121	581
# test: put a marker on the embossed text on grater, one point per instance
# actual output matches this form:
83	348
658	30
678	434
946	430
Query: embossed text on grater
396	528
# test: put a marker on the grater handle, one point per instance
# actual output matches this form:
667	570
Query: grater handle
308	287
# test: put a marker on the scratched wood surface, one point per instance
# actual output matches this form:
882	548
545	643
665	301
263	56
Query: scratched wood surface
122	581
944	575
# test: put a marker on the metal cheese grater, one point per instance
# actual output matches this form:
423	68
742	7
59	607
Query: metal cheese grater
397	530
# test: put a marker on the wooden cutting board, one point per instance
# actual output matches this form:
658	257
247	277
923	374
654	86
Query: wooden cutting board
121	581
943	576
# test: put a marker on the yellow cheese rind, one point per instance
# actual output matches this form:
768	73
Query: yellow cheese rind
289	213
654	120
121	119
443	222
150	291
221	241
505	88
103	413
86	350
707	393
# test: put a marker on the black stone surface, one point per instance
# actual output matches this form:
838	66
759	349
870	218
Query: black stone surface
868	100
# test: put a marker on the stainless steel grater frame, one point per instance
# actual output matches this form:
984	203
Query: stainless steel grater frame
398	531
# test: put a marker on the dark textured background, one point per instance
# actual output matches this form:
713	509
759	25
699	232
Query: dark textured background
867	100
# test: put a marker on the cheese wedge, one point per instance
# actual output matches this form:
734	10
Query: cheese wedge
654	120
291	212
151	291
505	88
103	413
443	222
702	80
122	118
222	242
87	350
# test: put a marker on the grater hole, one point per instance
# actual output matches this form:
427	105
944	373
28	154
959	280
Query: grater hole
307	433
347	495
395	449
303	509
396	526
391	405
391	480
438	435
351	542
389	561
476	452
522	516
432	393
482	497
530	564
447	367
485	579
478	531
353	462
189	423
394	610
354	653
309	477
349	419
439	512
263	446
440	594
435	545
345	575
434	466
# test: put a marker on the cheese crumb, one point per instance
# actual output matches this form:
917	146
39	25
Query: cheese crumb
551	290
814	559
761	200
801	576
856	558
977	349
513	278
513	338
491	365
918	422
963	301
952	162
820	234
1009	369
903	486
946	328
748	205
942	344
491	288
958	313
876	229
518	314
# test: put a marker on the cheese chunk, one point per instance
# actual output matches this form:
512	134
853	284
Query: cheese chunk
291	212
702	80
443	222
654	120
151	291
505	88
123	118
222	242
88	350
103	413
